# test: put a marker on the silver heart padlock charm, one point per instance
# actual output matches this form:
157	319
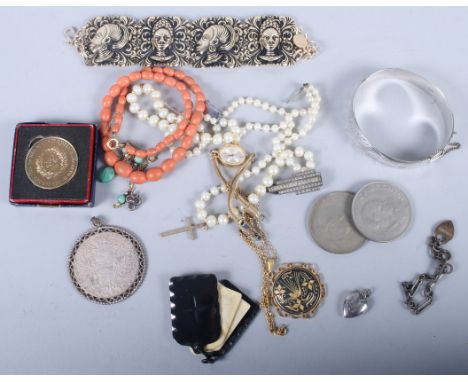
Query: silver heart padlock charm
356	303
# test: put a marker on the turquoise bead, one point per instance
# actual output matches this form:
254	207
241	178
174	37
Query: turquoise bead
138	160
106	174
121	199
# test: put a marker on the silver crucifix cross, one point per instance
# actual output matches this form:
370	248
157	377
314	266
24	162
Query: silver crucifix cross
190	228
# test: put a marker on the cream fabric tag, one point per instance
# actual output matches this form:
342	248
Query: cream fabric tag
229	302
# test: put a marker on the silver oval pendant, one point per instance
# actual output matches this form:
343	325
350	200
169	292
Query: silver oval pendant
107	264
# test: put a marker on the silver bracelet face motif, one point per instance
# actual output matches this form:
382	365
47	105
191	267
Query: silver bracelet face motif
206	42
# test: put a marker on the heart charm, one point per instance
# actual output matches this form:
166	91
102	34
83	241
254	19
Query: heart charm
356	304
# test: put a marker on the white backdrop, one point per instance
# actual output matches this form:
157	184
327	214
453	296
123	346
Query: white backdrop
47	327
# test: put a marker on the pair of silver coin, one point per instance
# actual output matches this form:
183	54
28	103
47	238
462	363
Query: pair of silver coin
341	222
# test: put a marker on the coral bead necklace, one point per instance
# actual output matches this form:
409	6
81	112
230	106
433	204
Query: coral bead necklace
131	162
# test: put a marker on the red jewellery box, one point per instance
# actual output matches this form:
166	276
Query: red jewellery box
53	164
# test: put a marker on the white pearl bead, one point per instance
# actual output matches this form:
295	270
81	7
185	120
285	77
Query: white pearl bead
223	122
253	198
143	114
260	190
308	155
262	164
310	164
273	170
228	137
147	89
134	108
217	139
205	196
202	214
196	151
155	94
223	219
163	124
296	167
158	104
279	162
171	117
132	97
267	181
200	204
211	221
255	170
137	89
153	120
214	191
163	113
206	138
172	127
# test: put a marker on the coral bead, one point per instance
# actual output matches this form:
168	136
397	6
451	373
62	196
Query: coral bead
147	75
159	77
135	76
123	81
110	158
168	165
130	149
154	174
191	130
179	154
137	177
170	81
107	101
106	115
169	71
123	169
114	91
186	142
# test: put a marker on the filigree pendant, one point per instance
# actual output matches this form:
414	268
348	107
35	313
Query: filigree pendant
297	290
107	264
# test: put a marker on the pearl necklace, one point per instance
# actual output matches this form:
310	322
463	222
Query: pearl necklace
225	131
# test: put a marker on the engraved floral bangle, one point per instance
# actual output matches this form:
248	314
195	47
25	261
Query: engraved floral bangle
206	42
130	162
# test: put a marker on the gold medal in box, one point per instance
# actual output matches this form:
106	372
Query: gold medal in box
53	164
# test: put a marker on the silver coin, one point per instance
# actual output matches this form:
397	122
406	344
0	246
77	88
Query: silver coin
331	225
381	211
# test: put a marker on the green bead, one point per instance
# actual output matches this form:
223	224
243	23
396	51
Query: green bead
106	174
138	160
121	199
124	151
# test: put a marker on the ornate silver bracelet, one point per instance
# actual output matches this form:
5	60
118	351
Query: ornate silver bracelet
206	42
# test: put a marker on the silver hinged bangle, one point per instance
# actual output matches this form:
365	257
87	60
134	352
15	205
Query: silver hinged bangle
402	119
206	42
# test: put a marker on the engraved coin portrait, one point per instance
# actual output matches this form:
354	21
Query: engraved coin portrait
270	39
215	42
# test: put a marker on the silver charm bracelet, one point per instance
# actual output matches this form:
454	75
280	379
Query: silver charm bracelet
206	42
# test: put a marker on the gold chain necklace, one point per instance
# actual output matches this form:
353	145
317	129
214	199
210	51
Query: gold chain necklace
295	288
